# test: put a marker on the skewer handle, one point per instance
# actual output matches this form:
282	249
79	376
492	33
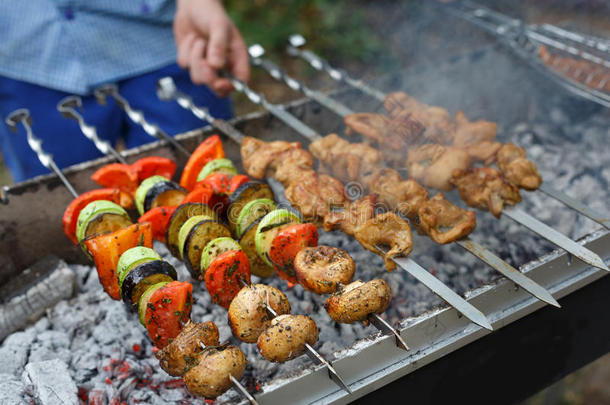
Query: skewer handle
166	90
67	107
137	116
274	109
296	41
23	115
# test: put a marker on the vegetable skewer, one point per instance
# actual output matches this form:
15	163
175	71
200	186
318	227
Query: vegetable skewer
24	117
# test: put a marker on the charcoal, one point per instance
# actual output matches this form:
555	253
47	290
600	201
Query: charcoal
11	389
15	351
50	382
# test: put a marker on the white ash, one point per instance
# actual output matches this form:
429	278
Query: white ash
50	382
97	338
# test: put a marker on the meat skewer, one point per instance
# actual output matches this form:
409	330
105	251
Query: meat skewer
167	90
23	116
311	352
293	49
321	146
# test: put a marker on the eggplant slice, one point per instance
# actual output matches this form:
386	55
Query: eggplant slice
197	239
143	276
252	190
179	217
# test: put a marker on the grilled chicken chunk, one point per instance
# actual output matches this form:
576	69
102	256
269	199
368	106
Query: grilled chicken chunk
386	229
315	194
344	160
248	316
210	376
285	339
484	152
290	162
355	214
433	164
357	300
257	155
395	193
322	269
179	355
469	133
484	188
436	120
516	168
445	222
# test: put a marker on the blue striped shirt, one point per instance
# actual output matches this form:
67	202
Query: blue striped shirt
75	45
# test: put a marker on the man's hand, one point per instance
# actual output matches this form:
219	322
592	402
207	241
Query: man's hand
208	41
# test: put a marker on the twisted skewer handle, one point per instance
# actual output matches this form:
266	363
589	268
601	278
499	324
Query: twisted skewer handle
23	116
137	116
67	107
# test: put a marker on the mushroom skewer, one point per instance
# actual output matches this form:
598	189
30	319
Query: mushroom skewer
139	119
167	91
23	116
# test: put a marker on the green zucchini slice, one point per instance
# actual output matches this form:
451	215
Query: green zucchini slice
250	191
215	248
134	257
140	278
185	229
100	217
217	165
268	227
143	189
179	217
200	233
252	211
258	266
143	301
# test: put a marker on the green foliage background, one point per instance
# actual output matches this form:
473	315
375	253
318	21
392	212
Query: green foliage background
336	29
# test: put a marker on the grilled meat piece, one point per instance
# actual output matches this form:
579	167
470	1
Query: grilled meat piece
344	160
467	133
516	168
357	300
248	316
285	339
322	269
588	73
484	152
210	376
315	194
178	356
370	125
352	216
443	221
436	120
290	162
395	193
484	188
433	164
257	155
386	229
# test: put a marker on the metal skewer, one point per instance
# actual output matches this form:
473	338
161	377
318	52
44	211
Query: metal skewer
67	107
516	214
257	51
408	265
136	116
23	115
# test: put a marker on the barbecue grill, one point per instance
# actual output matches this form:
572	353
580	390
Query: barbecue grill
439	337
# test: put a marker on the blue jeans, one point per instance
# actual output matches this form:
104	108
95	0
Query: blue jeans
62	137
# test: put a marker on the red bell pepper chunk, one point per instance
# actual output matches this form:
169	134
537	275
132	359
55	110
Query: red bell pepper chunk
71	213
167	310
237	181
106	250
158	218
219	182
202	193
117	175
223	275
154	166
209	149
287	243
